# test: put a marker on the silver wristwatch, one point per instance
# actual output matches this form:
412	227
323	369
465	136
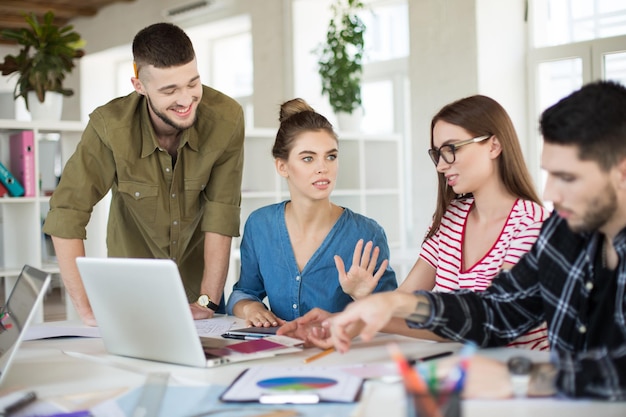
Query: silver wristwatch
520	368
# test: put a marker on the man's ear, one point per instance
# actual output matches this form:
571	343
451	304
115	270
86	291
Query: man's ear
281	167
138	85
495	148
621	173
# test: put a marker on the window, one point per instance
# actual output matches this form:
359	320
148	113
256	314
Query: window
560	22
224	52
577	41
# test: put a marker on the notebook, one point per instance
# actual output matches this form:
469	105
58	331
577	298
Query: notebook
18	312
142	312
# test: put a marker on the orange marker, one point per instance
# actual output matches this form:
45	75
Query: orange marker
414	384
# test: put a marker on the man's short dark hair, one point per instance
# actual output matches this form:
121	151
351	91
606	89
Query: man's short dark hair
162	45
593	119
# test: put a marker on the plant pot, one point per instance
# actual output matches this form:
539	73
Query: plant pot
50	110
350	122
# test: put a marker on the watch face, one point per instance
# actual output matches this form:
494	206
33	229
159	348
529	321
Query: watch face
203	300
519	365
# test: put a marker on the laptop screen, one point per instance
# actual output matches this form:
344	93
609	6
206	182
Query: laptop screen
18	311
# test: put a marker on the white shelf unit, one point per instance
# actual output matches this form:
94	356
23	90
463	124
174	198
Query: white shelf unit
370	178
21	218
370	182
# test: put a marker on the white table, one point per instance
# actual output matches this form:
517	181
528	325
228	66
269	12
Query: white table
43	366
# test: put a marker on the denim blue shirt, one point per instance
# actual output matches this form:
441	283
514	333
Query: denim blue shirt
269	268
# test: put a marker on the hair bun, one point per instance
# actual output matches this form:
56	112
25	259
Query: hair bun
291	107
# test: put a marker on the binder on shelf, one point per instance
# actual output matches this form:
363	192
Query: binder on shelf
8	180
22	150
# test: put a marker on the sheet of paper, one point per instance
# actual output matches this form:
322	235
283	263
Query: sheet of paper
331	384
60	329
215	327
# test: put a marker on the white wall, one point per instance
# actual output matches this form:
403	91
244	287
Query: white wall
501	32
443	67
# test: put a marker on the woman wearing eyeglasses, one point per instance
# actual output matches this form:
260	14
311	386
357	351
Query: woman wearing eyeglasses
487	216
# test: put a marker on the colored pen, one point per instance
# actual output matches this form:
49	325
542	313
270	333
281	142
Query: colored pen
241	337
21	402
82	413
414	383
430	357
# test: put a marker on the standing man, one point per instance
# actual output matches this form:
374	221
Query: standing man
171	153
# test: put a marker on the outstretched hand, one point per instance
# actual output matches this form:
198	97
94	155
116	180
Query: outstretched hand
308	328
361	280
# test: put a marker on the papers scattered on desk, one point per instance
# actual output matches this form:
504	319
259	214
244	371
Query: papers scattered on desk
70	328
293	385
214	327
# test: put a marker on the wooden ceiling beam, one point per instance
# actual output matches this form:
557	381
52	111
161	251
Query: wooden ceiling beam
60	10
12	11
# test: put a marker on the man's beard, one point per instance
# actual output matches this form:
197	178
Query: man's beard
600	210
166	119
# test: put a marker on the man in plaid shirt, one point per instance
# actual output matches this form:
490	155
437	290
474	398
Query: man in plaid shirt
574	277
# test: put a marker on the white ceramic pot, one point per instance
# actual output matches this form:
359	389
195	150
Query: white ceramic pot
50	110
350	122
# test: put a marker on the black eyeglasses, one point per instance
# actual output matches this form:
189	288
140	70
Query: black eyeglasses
448	152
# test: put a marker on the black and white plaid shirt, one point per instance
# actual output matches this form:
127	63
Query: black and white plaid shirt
552	282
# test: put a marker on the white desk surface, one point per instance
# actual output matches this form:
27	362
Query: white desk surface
42	366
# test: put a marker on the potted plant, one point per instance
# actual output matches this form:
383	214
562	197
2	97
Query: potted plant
340	62
47	56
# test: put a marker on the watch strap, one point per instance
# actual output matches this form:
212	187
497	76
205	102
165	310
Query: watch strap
212	306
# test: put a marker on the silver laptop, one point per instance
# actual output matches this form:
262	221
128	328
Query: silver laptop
142	312
18	313
141	309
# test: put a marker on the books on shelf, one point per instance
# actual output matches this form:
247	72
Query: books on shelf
10	182
22	151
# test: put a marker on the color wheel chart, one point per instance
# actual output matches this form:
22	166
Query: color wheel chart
329	384
296	383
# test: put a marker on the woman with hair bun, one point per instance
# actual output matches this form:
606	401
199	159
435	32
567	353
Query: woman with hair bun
288	249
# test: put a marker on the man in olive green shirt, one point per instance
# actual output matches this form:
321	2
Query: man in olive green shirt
171	153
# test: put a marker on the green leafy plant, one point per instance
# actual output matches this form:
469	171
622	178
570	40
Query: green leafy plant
47	56
340	62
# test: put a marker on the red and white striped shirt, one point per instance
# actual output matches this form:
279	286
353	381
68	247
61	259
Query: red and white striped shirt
443	251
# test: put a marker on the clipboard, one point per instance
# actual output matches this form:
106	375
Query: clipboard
269	384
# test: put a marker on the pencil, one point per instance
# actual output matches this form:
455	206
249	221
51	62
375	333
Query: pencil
429	358
319	355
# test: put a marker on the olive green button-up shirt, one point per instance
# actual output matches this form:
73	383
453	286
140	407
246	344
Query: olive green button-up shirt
158	210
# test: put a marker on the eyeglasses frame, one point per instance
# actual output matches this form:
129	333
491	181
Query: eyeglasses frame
454	147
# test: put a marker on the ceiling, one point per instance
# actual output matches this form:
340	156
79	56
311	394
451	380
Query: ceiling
12	11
